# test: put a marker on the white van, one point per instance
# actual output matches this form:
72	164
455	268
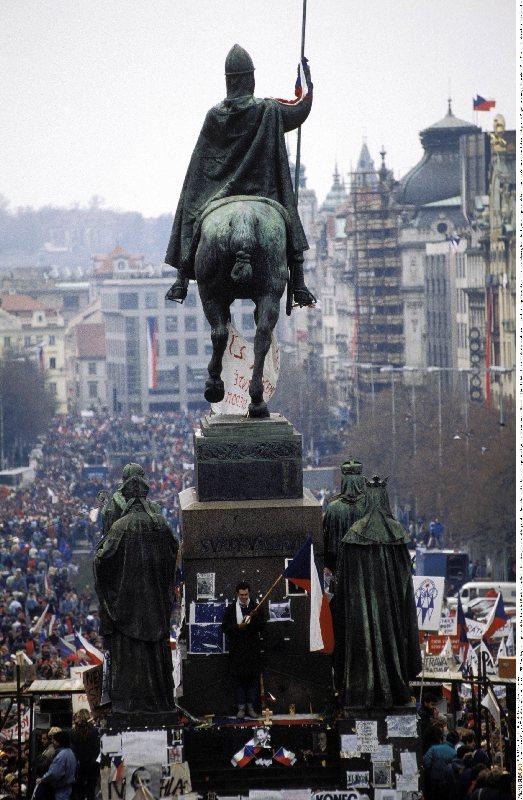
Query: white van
469	591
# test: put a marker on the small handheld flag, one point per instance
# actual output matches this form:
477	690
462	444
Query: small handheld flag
480	104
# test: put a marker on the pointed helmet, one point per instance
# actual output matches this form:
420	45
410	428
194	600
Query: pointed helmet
238	61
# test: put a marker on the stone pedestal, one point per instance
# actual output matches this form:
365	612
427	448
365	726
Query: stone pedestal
250	540
237	458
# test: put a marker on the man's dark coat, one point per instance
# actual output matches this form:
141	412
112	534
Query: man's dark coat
245	658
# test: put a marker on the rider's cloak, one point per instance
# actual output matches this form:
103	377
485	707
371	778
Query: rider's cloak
240	151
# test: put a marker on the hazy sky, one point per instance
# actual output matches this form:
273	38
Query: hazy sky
107	96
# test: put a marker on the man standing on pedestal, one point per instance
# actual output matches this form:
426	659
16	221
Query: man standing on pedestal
245	659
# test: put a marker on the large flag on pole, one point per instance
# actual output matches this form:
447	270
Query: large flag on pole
497	619
303	572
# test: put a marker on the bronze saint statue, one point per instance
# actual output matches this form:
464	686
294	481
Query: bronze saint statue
377	648
134	568
236	228
343	511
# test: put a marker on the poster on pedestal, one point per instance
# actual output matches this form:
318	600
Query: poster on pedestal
428	595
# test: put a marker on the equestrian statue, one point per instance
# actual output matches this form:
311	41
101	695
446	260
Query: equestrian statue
237	230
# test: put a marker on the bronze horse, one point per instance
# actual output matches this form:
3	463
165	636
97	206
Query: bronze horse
241	253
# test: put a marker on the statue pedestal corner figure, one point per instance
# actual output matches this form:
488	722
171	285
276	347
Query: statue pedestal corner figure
134	568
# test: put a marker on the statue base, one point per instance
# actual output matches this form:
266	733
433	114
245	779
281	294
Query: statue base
239	458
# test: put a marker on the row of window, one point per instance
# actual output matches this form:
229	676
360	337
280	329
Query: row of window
28	340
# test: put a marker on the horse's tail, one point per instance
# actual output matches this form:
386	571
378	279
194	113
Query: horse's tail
243	244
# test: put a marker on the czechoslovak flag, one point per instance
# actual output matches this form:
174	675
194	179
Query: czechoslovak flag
461	630
152	353
94	655
303	572
497	618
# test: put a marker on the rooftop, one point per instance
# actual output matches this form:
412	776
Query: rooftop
90	340
20	302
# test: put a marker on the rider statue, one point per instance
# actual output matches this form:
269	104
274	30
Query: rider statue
241	151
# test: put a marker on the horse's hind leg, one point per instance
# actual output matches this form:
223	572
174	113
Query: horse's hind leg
218	316
267	312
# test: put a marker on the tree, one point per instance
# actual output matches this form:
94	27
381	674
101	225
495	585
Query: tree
27	407
464	474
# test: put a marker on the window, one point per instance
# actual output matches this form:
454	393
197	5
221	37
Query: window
27	341
151	300
7	341
52	363
51	340
171	324
191	347
133	378
171	347
127	300
93	389
191	324
191	300
208	349
52	388
121	265
248	322
131	326
91	368
168	379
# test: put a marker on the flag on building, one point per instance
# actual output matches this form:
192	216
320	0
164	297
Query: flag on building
480	104
497	618
94	655
303	572
152	352
285	757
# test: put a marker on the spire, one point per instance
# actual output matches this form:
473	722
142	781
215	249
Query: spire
336	175
365	174
337	194
449	112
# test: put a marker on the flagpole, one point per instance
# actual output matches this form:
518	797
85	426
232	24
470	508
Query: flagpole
298	145
262	601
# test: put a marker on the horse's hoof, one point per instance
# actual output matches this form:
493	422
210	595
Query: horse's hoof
214	390
258	410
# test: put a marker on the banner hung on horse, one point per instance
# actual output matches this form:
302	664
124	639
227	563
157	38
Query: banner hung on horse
238	362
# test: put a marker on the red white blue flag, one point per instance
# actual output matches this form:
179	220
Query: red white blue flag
246	754
152	352
301	89
303	572
497	618
94	655
480	104
285	757
461	630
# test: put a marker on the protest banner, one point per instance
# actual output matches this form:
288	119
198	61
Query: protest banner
428	595
238	363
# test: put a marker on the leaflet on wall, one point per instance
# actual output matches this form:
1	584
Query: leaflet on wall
367	735
358	779
349	745
205	585
387	794
402	726
381	773
280	612
407	783
409	763
207	612
382	753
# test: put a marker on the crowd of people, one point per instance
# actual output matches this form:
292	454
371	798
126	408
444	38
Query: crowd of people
46	523
457	766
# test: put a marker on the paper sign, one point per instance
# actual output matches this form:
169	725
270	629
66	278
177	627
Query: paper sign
387	794
359	779
238	363
382	753
407	783
436	663
352	794
448	626
409	763
475	628
381	773
349	745
402	726
367	735
428	595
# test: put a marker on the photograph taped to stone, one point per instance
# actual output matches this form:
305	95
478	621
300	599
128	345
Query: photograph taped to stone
358	779
387	794
381	773
144	755
206	638
205	584
280	612
402	726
